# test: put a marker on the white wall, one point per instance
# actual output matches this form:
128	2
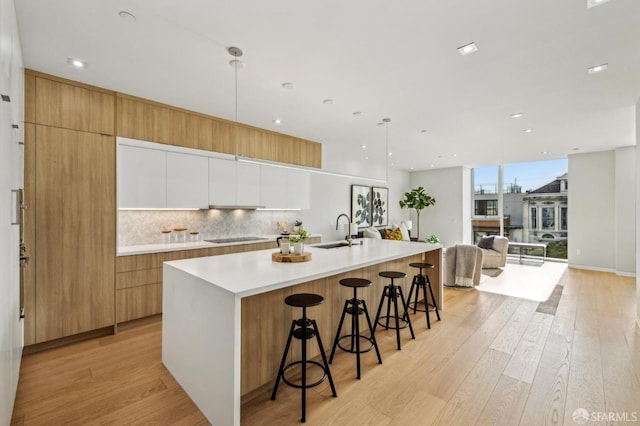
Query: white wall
11	113
331	196
592	219
625	176
450	217
637	211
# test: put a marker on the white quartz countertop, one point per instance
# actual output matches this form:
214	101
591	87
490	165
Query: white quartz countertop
160	248
249	273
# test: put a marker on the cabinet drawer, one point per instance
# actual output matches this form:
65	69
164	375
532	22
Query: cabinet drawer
138	302
137	278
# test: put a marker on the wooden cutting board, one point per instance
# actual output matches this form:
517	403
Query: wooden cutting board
290	258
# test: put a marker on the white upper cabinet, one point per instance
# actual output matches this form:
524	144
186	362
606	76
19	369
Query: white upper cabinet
285	188
273	187
222	182
233	183
142	177
298	185
157	176
187	181
248	181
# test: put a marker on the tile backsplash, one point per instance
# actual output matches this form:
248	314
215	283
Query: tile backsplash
136	227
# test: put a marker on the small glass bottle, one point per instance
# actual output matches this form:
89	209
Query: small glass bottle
194	236
181	235
166	236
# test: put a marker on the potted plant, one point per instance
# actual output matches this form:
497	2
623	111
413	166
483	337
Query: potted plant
298	240
417	199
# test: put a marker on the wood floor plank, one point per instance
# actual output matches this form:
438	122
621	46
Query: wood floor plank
508	339
506	403
468	401
586	385
548	392
453	373
524	362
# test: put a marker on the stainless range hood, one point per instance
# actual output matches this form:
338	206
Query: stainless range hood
232	207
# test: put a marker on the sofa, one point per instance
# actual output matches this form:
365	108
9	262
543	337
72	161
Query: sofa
453	276
494	251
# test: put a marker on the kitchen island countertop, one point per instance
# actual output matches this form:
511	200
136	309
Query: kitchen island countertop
249	273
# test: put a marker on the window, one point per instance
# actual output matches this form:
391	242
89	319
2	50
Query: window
534	218
563	219
486	208
548	218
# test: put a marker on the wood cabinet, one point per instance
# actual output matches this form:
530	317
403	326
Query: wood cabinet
154	122
74	232
69	106
139	278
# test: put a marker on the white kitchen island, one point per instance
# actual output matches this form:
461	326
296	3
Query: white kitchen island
225	322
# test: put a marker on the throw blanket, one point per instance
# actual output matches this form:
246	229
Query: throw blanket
465	264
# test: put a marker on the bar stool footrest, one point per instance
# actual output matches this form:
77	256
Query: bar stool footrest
392	319
309	385
353	351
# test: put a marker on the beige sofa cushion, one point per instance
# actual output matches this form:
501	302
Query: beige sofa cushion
496	256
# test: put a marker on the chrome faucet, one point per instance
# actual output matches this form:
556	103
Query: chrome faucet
348	225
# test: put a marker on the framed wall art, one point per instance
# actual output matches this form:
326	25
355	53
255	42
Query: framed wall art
361	205
379	203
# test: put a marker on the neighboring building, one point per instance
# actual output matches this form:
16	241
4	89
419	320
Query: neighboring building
539	215
545	213
485	212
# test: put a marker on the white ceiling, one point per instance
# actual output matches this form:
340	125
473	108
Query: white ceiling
394	59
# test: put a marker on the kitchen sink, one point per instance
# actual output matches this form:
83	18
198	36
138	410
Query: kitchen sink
333	245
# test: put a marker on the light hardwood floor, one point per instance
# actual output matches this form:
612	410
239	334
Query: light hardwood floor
492	360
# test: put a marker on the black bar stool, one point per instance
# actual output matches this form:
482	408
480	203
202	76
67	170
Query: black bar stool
422	281
391	292
307	329
352	307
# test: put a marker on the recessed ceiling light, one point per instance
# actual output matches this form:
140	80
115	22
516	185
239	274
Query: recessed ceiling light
127	16
390	154
594	3
544	152
357	114
77	63
423	131
363	146
528	130
366	158
597	68
454	155
575	149
433	165
277	121
288	85
328	101
467	49
517	115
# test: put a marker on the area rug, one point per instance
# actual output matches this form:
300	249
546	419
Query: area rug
550	305
526	280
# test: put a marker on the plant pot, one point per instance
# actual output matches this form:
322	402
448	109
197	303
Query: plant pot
298	248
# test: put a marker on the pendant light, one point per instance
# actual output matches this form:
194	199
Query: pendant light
236	63
386	122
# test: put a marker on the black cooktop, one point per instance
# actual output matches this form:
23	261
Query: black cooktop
235	239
